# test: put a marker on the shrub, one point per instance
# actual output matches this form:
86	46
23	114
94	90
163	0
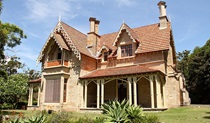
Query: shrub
59	117
100	120
36	119
21	105
152	119
81	120
135	113
116	111
122	112
6	106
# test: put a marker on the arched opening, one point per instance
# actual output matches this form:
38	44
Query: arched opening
92	95
143	93
110	91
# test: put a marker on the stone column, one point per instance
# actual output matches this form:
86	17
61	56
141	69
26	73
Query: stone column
134	91
151	91
85	105
38	99
129	91
82	95
29	96
102	91
32	90
164	99
158	94
98	93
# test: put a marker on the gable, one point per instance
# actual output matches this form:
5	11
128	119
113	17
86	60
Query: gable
75	39
53	38
125	28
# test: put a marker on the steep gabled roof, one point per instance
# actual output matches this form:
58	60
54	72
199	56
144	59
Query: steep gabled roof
151	38
58	39
119	71
78	38
61	43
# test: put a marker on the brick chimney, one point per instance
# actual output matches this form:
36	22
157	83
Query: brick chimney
93	36
163	18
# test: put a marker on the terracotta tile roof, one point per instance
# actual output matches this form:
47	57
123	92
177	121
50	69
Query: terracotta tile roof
78	38
35	81
60	40
133	34
151	38
119	71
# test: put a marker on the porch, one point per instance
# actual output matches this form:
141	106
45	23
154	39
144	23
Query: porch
34	93
145	89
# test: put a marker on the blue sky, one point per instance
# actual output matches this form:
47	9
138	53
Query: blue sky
190	20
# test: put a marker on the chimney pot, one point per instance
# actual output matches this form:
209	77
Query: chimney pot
162	6
92	24
163	18
93	38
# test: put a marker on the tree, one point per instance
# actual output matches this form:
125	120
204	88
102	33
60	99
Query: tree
10	36
14	88
182	63
199	74
196	69
12	85
32	74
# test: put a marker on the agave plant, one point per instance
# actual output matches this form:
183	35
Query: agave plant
16	120
135	113
116	111
36	119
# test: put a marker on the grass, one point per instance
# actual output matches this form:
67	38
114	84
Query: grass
176	115
184	115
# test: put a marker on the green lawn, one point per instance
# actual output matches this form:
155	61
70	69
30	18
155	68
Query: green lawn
184	115
176	115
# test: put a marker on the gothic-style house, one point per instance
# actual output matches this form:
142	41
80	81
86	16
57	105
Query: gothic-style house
81	72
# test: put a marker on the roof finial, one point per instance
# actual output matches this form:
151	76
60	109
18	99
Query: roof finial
59	19
123	21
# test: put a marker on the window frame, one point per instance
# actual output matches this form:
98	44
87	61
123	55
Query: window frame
105	56
126	50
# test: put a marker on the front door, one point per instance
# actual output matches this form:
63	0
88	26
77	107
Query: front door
122	90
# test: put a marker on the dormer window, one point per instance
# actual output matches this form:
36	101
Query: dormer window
106	54
126	50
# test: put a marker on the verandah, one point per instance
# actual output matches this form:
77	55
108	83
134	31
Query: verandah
146	90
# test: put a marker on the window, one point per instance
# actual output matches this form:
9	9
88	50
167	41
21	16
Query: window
106	54
52	92
64	90
59	54
126	50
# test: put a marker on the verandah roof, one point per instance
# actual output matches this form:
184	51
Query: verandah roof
119	71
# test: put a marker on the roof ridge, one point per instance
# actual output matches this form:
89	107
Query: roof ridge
132	28
73	28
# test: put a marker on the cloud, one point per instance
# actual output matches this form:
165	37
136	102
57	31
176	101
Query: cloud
26	52
41	10
127	3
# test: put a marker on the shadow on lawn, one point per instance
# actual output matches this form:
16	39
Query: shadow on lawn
207	112
206	117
